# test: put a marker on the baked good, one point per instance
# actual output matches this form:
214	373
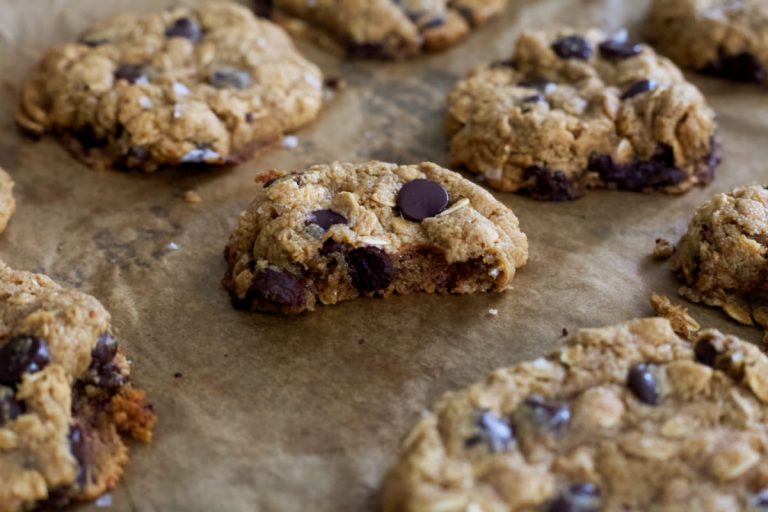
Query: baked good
574	110
7	202
623	418
725	38
722	260
202	86
382	29
65	396
336	232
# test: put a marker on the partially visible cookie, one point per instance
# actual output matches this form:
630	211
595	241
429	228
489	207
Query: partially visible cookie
336	232
65	396
623	418
210	85
7	202
722	260
574	110
384	29
725	38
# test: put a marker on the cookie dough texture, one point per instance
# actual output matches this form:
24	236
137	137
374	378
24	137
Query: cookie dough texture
7	202
726	38
62	412
209	86
624	418
722	260
572	111
382	28
287	255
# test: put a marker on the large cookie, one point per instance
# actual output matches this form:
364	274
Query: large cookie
210	85
722	260
388	29
336	232
572	111
725	38
7	202
65	396
626	418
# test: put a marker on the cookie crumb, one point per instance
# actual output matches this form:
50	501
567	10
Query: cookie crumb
177	375
493	312
564	332
290	141
682	322
192	197
663	250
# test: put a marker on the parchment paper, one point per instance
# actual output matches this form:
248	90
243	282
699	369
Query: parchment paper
305	413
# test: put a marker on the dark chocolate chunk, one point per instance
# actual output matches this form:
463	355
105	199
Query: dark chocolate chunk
535	82
366	50
131	73
420	199
706	352
105	350
742	67
618	50
577	498
20	355
187	28
10	408
639	87
551	415
494	432
642	383
572	47
536	98
432	23
659	171
279	287
77	445
325	218
230	77
88	138
760	500
331	246
370	269
249	117
263	8
552	186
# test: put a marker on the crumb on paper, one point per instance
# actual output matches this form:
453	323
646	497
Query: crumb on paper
663	249
290	141
173	247
493	312
177	375
564	332
682	322
192	197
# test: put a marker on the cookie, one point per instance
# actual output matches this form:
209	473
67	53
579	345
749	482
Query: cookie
383	29
574	111
623	418
336	232
722	260
724	38
181	86
7	202
65	396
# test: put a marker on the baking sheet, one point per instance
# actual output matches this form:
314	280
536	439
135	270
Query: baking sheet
305	413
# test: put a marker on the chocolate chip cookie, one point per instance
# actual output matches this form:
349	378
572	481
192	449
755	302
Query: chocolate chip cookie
629	418
722	260
725	38
384	29
7	202
336	232
573	111
206	86
65	396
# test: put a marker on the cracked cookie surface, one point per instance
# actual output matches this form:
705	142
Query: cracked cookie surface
572	111
389	29
724	38
206	86
7	202
722	260
65	396
623	418
336	232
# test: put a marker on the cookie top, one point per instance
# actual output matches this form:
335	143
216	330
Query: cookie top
725	38
382	28
64	395
722	259
629	417
208	85
335	232
571	111
7	202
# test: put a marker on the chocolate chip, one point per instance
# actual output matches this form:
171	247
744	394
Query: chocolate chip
77	446
131	73
366	50
20	355
577	498
494	432
249	117
264	8
643	384
370	269
10	408
617	50
88	138
552	186
108	377
706	352
279	287
331	246
572	47
760	500
325	218
638	87
105	350
227	77
420	199
551	415
536	98
538	83
742	67
433	23
187	28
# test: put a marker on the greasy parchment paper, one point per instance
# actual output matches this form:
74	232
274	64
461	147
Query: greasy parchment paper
305	413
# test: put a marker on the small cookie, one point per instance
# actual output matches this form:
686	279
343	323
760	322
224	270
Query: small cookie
336	232
725	38
575	111
138	91
65	396
722	259
7	202
623	418
383	29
